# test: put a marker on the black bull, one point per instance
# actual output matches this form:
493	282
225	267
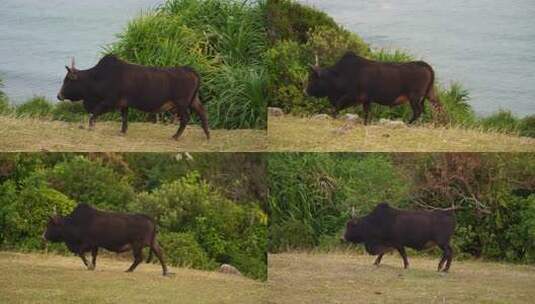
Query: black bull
87	229
387	228
356	80
113	84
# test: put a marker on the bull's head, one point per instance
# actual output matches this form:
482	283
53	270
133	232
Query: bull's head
320	81
354	231
54	229
73	87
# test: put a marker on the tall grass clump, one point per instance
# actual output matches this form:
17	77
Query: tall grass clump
222	39
35	107
5	107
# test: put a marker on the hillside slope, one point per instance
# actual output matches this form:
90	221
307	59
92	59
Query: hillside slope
26	134
35	278
351	278
289	133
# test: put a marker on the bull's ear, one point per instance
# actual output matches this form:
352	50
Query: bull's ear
56	220
68	70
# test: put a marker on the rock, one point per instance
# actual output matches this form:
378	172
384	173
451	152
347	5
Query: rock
321	116
354	118
275	111
392	123
229	269
343	129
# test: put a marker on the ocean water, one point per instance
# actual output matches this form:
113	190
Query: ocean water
488	46
38	38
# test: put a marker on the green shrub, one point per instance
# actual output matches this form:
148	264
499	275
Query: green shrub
289	20
181	249
25	210
455	101
35	107
330	44
69	111
222	228
91	182
526	126
502	121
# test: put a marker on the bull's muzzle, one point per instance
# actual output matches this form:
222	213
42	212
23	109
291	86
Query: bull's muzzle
60	97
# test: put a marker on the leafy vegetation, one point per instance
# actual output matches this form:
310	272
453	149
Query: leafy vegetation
312	196
204	220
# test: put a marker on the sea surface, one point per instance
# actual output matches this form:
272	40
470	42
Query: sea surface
487	46
38	38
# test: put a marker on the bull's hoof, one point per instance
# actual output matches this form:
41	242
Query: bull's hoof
121	133
91	268
174	137
81	127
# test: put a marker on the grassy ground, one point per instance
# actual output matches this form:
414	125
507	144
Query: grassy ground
288	133
34	278
26	134
351	278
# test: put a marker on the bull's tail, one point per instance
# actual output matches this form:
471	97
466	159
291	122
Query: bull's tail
430	93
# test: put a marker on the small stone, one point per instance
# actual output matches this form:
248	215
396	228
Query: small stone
354	118
321	116
275	111
392	123
229	269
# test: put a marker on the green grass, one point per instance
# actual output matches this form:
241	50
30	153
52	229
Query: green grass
351	278
290	133
30	134
41	278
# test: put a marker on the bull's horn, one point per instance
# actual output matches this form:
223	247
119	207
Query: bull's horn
55	211
72	63
317	60
353	212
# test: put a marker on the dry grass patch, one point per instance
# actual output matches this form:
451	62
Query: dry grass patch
351	278
288	133
27	134
35	278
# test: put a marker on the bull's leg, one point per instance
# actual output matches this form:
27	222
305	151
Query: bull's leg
378	259
416	109
124	120
197	106
84	259
403	254
184	119
94	253
367	107
138	257
155	247
99	109
448	252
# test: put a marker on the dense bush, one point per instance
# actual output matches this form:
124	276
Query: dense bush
183	250
202	217
35	107
89	182
223	40
222	228
312	196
